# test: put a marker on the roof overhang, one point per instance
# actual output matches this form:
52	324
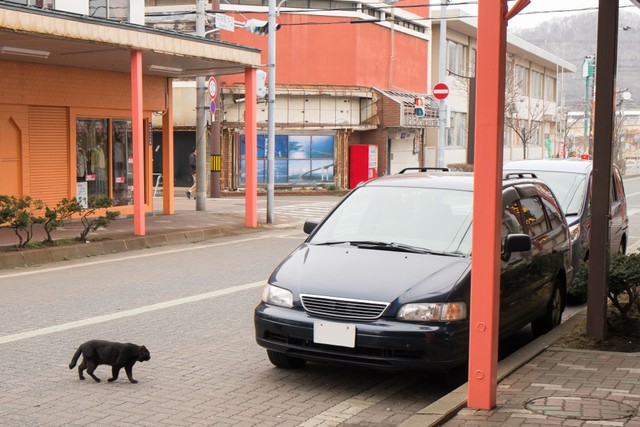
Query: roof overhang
66	39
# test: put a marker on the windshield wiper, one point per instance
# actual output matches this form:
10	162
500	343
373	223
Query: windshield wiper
390	246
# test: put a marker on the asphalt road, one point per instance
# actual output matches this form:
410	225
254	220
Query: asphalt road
191	305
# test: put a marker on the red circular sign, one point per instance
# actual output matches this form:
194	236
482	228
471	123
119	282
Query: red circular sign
440	91
213	87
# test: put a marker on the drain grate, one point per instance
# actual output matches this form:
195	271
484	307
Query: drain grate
580	408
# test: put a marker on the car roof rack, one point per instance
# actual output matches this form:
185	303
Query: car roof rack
425	169
519	175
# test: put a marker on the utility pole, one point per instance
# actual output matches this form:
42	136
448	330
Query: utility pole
442	77
587	73
201	123
271	102
214	134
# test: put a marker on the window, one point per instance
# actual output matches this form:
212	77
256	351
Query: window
536	84
553	210
456	54
92	139
118	10
122	162
104	164
535	133
521	80
511	221
533	214
457	132
472	63
549	88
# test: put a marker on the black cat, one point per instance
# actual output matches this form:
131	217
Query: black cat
118	355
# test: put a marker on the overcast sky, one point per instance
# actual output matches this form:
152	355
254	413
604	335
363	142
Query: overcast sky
540	10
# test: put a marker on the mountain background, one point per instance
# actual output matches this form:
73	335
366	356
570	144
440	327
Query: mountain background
572	38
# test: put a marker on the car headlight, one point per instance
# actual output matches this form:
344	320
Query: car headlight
433	312
277	296
574	233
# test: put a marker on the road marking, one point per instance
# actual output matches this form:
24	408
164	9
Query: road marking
128	255
127	313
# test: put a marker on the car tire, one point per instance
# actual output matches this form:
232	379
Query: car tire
284	361
553	316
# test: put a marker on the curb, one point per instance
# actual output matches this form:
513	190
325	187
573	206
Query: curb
10	260
445	408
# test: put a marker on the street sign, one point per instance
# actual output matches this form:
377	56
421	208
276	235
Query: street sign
213	88
212	109
441	91
224	22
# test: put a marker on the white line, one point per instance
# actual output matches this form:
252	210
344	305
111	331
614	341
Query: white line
128	256
133	312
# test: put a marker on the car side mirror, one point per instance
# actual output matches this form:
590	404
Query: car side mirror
515	243
309	226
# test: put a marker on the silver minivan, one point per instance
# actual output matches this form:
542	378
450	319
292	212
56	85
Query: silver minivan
570	181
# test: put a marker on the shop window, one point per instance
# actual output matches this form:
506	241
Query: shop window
122	157
104	160
299	159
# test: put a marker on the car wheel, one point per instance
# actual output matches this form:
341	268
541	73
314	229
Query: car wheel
553	316
284	361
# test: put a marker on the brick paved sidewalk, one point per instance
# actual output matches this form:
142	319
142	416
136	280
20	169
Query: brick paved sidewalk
565	387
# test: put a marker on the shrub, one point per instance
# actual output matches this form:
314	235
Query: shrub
91	223
54	218
623	290
18	214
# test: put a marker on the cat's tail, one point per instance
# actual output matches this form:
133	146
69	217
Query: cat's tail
74	360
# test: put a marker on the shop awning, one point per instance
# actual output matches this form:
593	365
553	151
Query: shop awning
59	38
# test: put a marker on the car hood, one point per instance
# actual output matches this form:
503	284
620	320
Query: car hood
343	271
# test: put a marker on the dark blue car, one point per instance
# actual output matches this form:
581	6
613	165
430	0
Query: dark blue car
384	280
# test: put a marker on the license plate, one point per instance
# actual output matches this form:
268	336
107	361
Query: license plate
340	334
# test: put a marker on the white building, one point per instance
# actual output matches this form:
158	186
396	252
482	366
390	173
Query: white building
531	100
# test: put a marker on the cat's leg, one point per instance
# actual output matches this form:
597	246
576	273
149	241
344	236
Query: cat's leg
82	367
115	370
129	370
90	368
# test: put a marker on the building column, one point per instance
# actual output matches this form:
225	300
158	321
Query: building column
251	148
138	147
168	171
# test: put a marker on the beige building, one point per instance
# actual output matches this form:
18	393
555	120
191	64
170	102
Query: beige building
534	85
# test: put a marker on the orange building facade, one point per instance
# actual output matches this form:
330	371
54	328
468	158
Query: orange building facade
67	132
340	81
76	101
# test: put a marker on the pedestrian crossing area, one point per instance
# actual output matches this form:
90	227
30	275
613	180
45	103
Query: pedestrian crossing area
300	212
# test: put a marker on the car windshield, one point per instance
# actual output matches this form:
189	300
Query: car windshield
437	220
569	188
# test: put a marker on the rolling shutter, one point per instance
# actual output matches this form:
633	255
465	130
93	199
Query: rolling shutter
49	154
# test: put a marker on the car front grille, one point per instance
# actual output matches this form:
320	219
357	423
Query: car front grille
343	308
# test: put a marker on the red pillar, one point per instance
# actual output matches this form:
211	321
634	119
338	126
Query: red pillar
168	189
251	148
137	134
487	205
